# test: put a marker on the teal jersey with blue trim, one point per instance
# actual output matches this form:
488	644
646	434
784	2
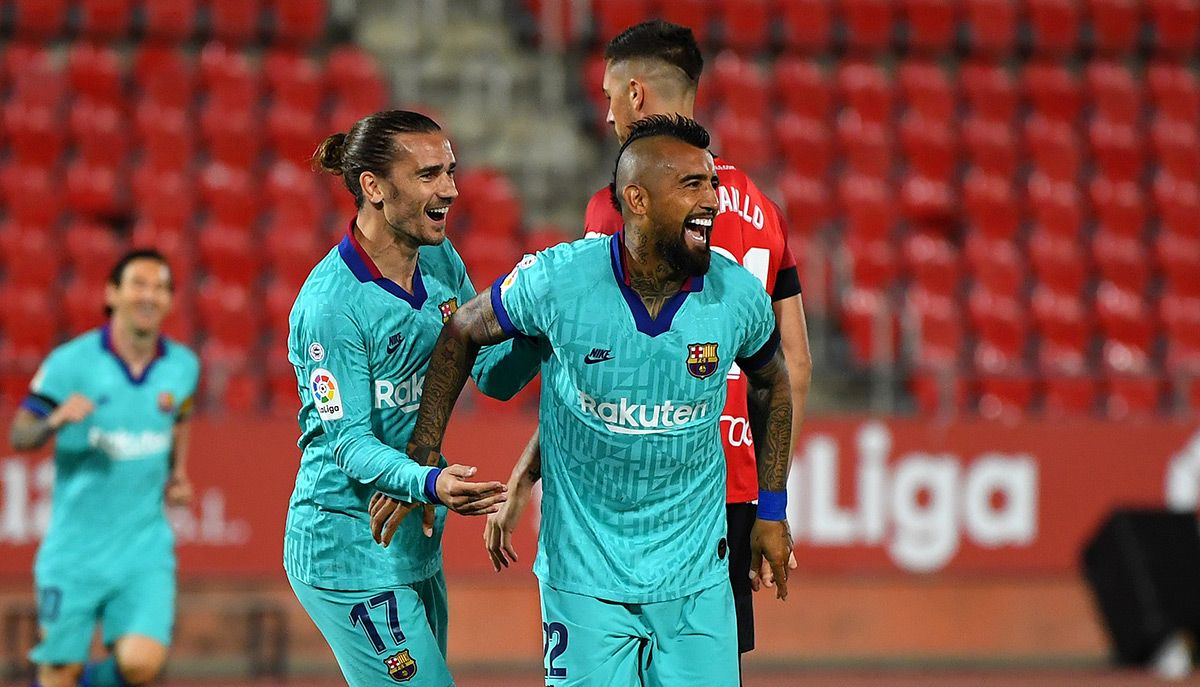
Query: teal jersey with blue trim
633	475
108	515
360	345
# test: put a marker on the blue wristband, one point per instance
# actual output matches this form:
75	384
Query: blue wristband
772	505
431	479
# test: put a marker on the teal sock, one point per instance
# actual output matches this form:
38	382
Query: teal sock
102	674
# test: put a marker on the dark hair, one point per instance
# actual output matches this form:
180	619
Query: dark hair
368	146
675	126
659	40
118	271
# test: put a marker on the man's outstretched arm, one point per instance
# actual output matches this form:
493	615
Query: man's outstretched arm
770	409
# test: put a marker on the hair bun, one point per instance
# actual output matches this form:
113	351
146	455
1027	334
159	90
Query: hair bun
330	154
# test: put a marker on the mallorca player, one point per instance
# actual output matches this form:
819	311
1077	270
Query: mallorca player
361	331
643	327
117	401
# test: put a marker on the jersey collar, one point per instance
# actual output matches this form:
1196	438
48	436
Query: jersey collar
641	317
106	342
365	270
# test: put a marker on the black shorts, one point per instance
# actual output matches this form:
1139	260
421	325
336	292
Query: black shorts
740	518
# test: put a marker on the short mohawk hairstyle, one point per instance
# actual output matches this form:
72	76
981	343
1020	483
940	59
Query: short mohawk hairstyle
659	40
675	126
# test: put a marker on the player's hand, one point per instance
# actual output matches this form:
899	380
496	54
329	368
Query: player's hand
386	515
469	498
179	491
767	577
770	540
498	533
74	409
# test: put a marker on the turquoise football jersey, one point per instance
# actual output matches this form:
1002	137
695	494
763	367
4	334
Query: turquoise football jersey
633	502
360	345
110	470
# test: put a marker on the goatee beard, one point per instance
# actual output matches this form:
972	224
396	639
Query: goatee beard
685	262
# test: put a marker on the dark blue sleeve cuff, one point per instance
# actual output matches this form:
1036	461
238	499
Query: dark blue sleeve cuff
39	405
431	486
763	356
501	314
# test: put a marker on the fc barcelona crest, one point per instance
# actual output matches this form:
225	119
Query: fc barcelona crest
702	360
166	402
401	667
448	308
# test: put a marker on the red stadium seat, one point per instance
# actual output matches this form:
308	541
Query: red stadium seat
1179	256
1178	202
1069	395
489	256
95	73
29	255
694	14
932	25
31	195
1053	90
1176	146
996	264
1054	148
1119	149
807	25
294	79
298	190
989	91
934	264
229	76
745	142
1066	326
1005	396
927	90
872	262
232	136
278	298
1119	206
1180	316
992	26
802	87
167	137
83	304
1055	205
1174	89
991	205
165	197
230	254
805	143
235	21
100	132
928	200
356	80
36	134
28	320
1176	26
293	249
1132	396
299	22
941	392
866	146
96	189
105	19
1058	261
934	329
229	313
1054	25
169	21
807	203
869	24
1114	92
991	146
92	249
870	324
740	86
294	132
229	195
930	145
488	199
36	79
611	17
746	23
1115	25
39	19
166	78
865	89
1122	260
1002	328
867	205
1128	325
177	245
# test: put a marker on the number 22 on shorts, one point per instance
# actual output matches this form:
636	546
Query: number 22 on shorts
553	645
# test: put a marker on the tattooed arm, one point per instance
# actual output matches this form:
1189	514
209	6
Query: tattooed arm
770	414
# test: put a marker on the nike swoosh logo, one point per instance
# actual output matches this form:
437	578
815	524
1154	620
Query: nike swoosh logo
591	359
393	343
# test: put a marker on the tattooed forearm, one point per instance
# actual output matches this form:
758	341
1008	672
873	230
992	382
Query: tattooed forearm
473	326
770	410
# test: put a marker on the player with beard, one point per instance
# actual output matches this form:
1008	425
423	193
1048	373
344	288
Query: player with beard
643	327
654	68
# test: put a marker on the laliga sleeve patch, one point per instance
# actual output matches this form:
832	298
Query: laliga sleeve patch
525	263
326	394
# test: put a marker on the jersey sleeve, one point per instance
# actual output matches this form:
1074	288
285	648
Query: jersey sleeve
331	352
51	385
521	298
787	276
601	218
502	370
760	337
188	402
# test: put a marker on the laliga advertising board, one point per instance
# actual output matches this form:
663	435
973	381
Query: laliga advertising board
891	496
